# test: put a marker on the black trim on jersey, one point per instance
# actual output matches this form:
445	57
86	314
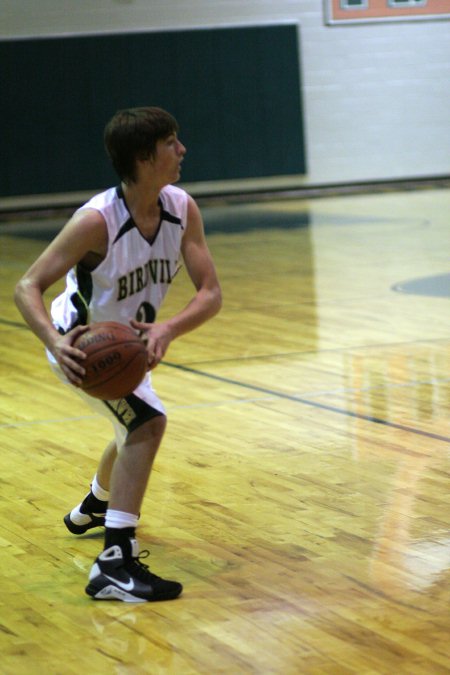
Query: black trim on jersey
126	227
132	411
168	217
81	299
151	240
130	224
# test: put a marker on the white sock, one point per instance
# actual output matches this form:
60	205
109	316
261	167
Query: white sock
79	518
120	519
98	491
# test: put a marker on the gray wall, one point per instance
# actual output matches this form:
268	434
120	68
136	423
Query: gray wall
376	96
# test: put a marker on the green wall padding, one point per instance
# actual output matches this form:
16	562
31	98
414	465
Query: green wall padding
236	93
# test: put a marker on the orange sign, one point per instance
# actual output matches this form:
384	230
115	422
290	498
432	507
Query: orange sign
349	11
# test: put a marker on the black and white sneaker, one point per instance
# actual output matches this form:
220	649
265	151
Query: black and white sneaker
90	513
118	576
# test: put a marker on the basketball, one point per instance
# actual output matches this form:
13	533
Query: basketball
116	360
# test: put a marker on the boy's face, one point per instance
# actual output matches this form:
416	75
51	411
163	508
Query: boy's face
166	162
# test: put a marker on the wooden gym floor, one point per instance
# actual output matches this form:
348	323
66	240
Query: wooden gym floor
301	494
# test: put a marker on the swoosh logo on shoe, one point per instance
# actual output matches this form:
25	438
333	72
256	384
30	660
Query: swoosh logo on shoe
128	586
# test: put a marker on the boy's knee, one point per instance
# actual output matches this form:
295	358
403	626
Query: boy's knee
150	429
160	423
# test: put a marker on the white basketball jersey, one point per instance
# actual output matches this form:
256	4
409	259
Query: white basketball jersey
134	277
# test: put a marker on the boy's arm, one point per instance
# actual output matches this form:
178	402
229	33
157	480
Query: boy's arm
84	232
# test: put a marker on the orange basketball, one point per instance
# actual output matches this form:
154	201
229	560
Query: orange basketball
116	360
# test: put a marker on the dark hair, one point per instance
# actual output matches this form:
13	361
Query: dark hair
132	134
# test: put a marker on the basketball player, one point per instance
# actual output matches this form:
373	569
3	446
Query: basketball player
119	253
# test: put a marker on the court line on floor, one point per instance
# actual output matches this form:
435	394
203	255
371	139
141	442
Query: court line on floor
14	324
269	393
191	406
304	401
358	349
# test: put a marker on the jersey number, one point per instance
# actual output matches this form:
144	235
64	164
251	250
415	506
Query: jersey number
146	313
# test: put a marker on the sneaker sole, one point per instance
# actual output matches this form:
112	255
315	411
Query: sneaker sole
112	592
81	529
